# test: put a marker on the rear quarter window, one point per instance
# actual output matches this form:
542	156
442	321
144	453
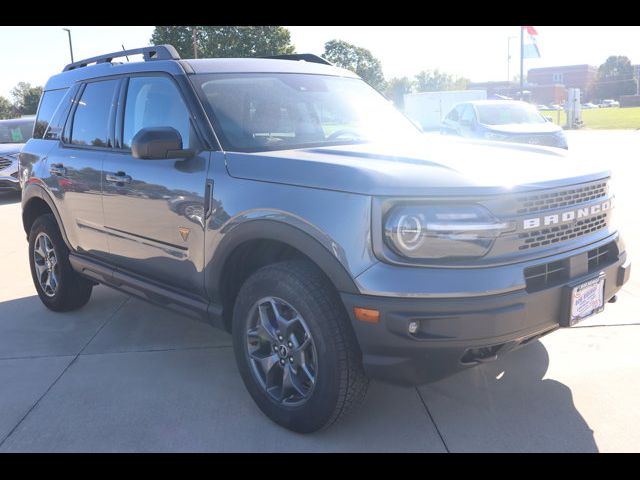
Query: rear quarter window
48	106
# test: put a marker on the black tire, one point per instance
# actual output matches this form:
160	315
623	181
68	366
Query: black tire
73	291
340	383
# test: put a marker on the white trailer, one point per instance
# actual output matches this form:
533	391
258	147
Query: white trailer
429	108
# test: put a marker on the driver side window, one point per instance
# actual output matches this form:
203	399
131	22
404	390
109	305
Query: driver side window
154	102
468	115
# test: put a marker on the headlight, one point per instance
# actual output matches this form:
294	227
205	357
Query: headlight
562	138
434	232
495	136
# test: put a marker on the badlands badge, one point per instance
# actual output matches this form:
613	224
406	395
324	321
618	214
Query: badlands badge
184	233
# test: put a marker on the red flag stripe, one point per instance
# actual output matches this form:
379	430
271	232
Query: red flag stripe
531	30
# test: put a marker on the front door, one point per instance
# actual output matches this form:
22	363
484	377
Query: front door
154	209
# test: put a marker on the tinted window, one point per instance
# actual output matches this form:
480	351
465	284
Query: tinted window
48	105
154	102
91	120
506	113
15	131
453	115
270	111
468	114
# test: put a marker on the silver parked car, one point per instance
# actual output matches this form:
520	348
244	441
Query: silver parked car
13	135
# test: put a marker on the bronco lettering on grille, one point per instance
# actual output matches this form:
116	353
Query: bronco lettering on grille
566	216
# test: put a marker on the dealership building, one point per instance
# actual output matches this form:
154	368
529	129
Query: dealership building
546	85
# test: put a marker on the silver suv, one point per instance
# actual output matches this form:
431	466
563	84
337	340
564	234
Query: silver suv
285	200
14	134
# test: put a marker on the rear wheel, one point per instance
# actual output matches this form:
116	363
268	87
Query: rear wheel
59	287
295	349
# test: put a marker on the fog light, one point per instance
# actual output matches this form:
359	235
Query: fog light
413	327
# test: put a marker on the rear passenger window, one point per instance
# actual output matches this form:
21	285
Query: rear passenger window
48	105
91	119
154	102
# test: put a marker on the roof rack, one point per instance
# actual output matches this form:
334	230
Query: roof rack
157	52
307	57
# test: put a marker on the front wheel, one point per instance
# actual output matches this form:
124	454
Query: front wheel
295	349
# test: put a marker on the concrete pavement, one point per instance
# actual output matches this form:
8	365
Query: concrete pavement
123	375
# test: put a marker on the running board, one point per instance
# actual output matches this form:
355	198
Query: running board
150	291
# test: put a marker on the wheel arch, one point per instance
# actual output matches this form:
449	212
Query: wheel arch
35	202
254	244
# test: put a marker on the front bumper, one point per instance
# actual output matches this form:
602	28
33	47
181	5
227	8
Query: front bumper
9	177
457	333
9	183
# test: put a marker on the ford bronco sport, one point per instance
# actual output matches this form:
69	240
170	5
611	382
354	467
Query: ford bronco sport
285	200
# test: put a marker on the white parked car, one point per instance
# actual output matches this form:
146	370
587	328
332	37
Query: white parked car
609	103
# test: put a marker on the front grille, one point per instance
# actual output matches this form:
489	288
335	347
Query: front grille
546	275
548	236
561	198
602	256
5	162
545	140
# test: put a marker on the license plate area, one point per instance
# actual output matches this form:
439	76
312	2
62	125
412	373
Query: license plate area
585	299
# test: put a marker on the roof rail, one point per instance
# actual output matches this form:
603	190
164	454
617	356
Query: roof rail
307	57
157	52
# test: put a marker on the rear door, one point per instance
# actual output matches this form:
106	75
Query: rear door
75	165
154	209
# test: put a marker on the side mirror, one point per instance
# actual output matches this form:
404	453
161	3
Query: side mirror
159	143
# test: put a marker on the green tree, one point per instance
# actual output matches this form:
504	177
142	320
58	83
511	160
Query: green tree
435	80
397	88
358	60
6	109
26	98
225	41
615	78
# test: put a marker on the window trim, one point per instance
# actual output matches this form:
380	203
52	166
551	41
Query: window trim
67	130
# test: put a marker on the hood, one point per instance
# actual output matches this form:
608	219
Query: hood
7	148
430	165
524	128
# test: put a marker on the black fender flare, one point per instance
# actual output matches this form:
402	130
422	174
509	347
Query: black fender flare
264	229
37	191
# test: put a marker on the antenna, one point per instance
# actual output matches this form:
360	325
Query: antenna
124	49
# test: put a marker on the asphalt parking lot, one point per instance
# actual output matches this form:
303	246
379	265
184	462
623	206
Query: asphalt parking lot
123	375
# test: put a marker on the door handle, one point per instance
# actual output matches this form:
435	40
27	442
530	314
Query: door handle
119	177
57	169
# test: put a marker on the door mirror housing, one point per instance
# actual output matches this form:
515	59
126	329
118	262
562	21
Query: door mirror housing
159	143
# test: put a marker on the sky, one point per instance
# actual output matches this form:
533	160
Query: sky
32	54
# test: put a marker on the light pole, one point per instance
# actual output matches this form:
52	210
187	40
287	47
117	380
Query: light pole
70	46
509	57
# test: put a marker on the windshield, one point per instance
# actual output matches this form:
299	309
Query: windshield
503	114
15	132
275	111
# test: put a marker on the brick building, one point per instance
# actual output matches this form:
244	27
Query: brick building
570	76
546	94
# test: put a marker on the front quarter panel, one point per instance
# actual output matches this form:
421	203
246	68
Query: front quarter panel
340	222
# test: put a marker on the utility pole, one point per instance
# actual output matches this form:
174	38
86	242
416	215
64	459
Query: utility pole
195	44
521	63
509	58
70	46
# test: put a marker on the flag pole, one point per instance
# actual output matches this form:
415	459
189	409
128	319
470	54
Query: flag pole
521	63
